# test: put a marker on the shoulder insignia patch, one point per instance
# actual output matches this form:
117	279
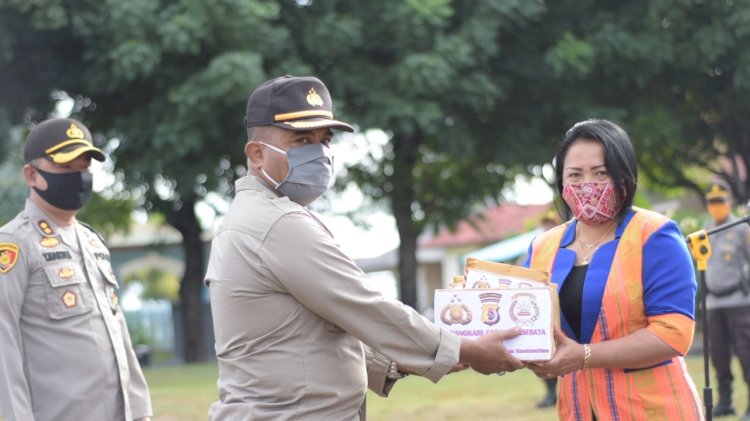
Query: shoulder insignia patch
45	228
8	256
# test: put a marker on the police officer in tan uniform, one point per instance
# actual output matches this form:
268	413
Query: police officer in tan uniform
728	299
300	330
65	352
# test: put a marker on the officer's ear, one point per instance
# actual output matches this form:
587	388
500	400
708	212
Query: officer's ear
30	175
254	153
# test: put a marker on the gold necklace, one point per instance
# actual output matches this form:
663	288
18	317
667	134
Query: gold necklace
595	245
587	259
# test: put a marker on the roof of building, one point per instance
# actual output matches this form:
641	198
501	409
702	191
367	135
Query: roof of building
494	224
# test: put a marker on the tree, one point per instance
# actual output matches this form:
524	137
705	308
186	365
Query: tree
177	74
158	284
165	79
13	189
470	92
674	73
422	71
709	103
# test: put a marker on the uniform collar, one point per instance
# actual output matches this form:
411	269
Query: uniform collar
36	214
44	225
254	183
34	211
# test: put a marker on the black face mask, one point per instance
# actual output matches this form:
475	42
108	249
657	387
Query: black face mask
67	191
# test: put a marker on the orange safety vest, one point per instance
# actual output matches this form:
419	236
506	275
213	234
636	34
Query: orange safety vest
663	392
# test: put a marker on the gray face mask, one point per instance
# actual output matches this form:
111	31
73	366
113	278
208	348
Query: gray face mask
310	172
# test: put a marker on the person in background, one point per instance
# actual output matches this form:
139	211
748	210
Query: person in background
728	299
300	332
626	289
65	351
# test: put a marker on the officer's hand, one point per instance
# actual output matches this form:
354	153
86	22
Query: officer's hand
458	367
487	354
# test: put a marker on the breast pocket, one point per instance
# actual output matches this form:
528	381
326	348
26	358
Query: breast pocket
67	292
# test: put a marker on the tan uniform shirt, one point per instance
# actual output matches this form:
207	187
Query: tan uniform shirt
291	312
65	351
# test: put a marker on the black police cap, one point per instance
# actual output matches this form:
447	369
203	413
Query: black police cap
293	103
61	140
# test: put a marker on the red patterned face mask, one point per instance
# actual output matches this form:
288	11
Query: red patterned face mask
592	203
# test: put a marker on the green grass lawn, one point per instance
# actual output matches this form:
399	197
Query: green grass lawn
184	393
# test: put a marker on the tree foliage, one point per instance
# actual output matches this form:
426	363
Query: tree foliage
470	92
13	188
674	73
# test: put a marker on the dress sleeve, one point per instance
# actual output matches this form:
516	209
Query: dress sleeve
669	287
527	259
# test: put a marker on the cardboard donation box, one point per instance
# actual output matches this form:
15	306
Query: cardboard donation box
495	296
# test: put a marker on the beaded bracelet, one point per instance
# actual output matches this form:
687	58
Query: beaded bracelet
586	356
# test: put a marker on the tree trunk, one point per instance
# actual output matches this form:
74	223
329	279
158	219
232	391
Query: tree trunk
743	151
185	221
738	154
402	196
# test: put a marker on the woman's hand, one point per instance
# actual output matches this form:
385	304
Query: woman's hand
568	357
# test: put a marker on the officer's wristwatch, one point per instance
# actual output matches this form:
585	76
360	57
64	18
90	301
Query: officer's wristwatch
393	372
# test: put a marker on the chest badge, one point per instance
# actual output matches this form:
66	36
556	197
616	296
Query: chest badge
8	256
49	242
94	242
66	273
114	299
69	299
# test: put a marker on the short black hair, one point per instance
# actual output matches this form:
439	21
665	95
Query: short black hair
619	156
256	131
